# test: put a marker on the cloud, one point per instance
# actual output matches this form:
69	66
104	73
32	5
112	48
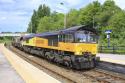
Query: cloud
13	21
7	1
3	18
15	14
120	3
67	5
73	2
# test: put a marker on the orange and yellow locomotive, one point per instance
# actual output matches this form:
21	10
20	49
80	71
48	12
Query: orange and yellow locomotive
75	47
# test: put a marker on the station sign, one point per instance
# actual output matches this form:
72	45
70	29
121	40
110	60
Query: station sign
108	31
108	36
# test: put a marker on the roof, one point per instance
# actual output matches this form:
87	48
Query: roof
28	36
64	31
47	34
76	28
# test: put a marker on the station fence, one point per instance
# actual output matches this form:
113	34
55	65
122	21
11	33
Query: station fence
112	49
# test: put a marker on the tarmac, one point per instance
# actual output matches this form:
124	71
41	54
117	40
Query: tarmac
7	72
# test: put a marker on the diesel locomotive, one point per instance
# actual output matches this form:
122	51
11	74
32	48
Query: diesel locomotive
74	47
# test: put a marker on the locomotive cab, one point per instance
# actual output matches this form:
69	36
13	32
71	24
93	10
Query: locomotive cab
81	43
86	42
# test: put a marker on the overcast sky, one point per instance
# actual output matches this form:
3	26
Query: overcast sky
15	14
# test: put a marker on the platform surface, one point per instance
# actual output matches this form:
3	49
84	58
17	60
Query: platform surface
114	58
27	71
7	72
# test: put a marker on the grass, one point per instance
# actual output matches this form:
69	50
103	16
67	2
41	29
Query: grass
5	39
115	51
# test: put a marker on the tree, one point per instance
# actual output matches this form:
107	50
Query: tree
108	9
32	27
29	28
117	22
58	22
52	22
73	18
88	14
45	24
102	16
42	11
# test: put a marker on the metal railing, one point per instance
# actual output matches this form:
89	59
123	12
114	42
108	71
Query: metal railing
112	49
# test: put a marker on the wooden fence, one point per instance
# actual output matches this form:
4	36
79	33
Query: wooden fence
112	49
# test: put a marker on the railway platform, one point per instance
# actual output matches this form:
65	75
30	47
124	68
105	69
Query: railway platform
20	70
112	58
7	72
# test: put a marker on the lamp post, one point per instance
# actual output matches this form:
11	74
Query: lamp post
93	21
65	17
31	27
65	20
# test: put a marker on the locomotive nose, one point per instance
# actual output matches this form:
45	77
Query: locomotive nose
86	49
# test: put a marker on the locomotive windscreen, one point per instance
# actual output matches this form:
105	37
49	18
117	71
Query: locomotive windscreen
85	37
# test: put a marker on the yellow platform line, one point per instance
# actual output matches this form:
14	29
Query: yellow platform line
28	72
122	62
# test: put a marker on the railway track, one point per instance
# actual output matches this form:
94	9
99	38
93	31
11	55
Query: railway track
71	76
104	76
35	62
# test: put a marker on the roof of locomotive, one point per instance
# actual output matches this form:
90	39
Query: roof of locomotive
68	30
28	36
64	31
76	28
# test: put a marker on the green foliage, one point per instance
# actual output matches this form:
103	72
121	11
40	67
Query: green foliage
42	11
89	13
44	23
108	9
102	16
5	39
34	22
50	23
71	18
117	22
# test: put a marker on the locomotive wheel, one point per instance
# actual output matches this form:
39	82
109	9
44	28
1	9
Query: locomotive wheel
49	56
68	64
42	53
93	64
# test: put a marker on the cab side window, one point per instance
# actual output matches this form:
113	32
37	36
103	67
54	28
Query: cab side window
66	38
69	38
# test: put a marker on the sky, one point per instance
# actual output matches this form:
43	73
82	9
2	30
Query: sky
16	14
